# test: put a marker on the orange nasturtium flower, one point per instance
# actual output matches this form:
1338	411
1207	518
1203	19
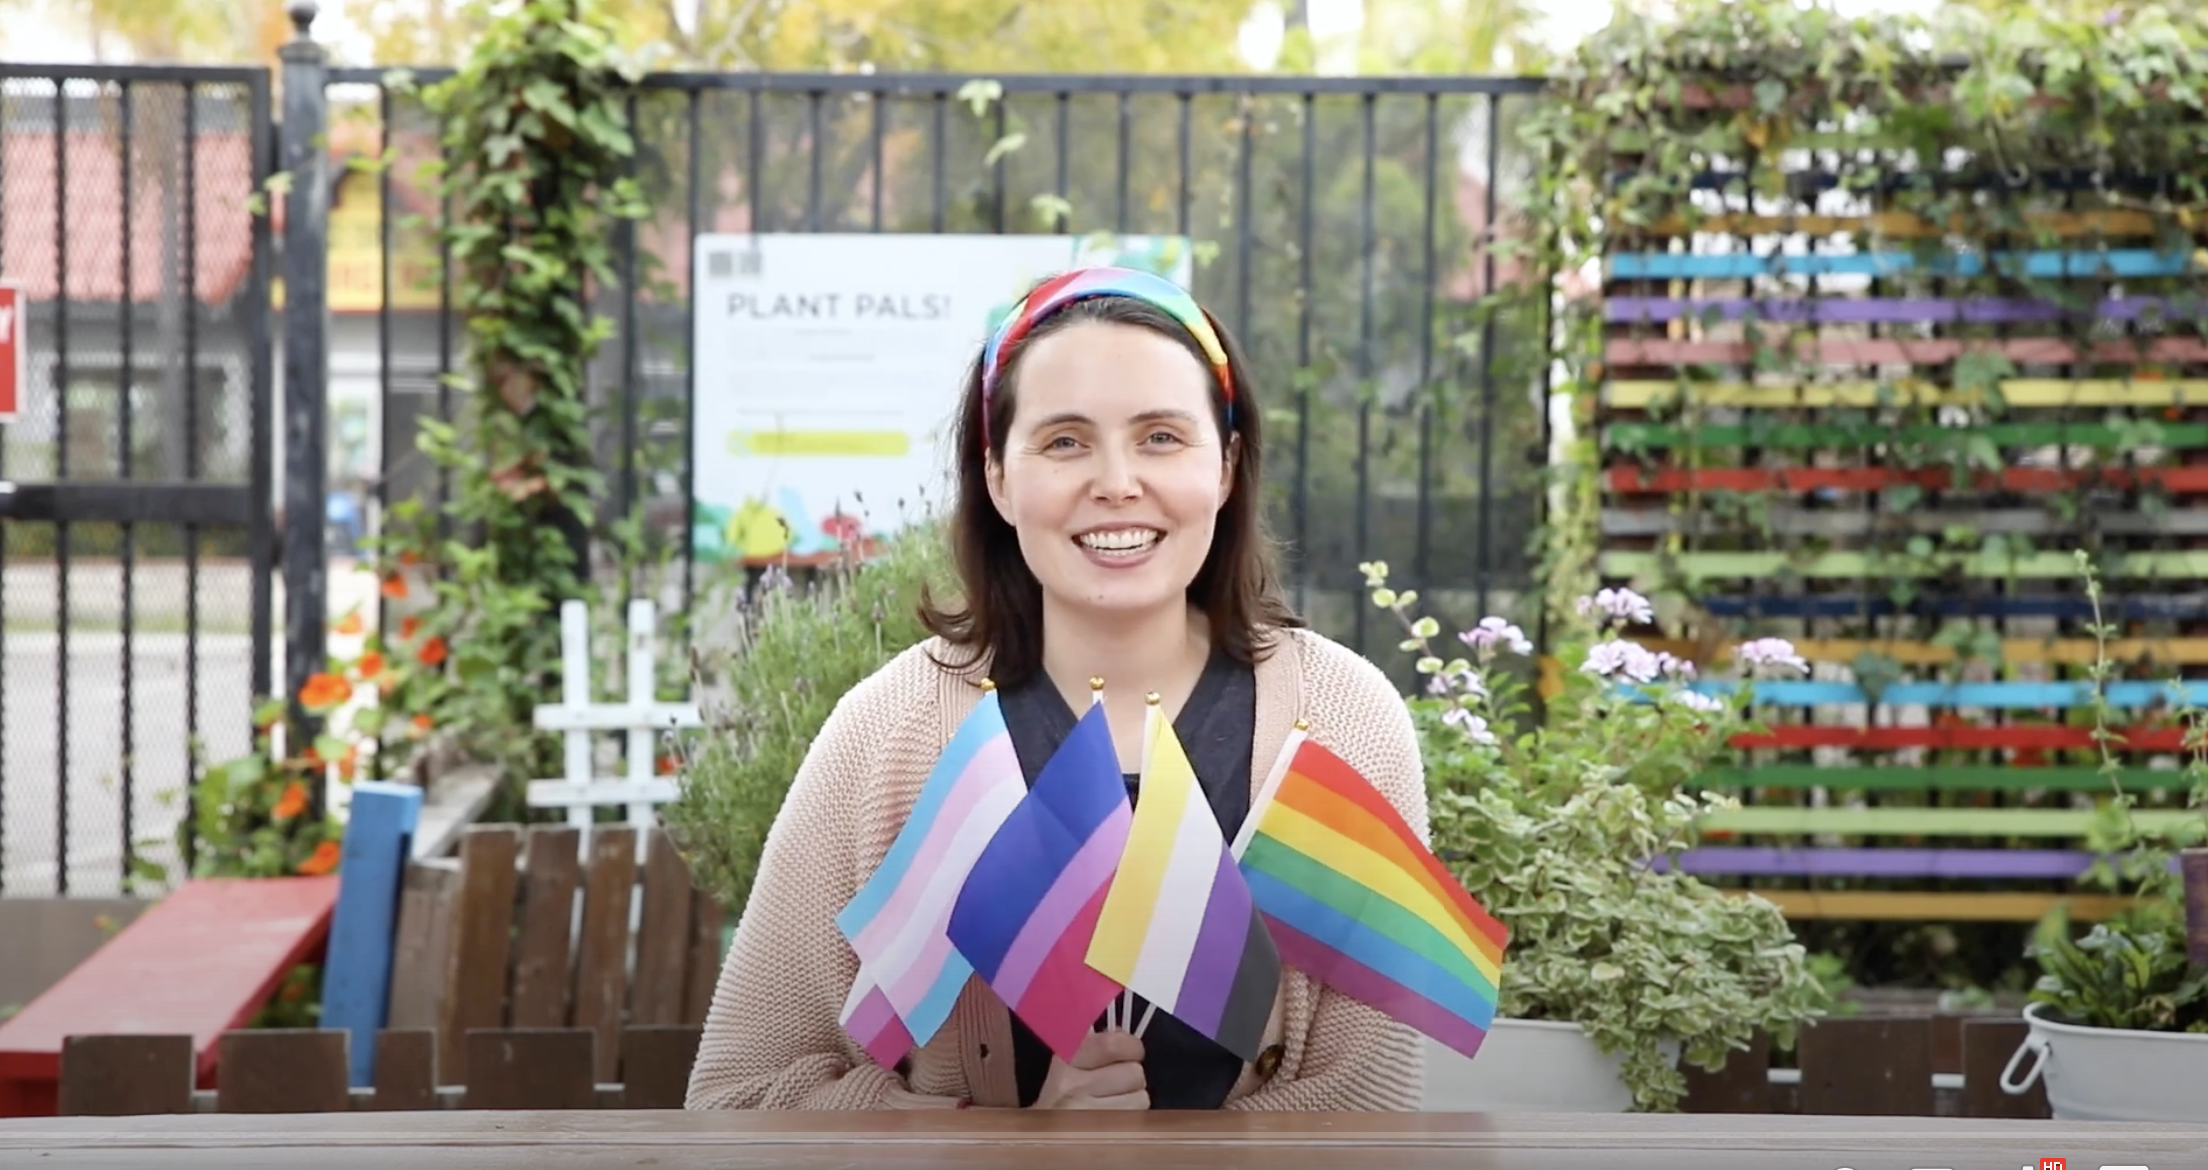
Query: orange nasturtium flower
408	627
349	625
323	861
370	664
324	691
433	651
291	803
394	587
422	724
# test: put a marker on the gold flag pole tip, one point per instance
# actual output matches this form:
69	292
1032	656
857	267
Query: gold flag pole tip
1303	725
988	685
1096	683
1151	698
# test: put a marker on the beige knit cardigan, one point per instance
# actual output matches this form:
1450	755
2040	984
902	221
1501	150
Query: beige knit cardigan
772	1040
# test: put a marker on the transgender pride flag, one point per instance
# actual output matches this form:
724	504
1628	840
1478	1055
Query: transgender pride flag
909	974
1031	901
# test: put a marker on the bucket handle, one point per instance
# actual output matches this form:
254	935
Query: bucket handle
2036	1045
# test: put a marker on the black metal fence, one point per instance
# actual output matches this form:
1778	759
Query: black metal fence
1344	228
135	537
1341	228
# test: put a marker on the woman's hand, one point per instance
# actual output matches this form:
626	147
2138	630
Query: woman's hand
1106	1073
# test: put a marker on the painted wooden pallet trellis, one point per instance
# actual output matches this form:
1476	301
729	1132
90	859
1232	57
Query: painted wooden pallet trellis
1816	427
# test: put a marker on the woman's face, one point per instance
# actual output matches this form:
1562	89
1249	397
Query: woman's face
1113	470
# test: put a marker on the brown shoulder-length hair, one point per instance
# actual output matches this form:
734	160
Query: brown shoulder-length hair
999	616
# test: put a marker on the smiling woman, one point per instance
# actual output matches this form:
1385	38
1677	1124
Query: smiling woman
1107	525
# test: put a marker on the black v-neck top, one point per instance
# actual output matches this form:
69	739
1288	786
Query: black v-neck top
1183	1068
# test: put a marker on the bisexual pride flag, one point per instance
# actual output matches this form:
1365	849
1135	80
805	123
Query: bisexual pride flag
1032	899
909	973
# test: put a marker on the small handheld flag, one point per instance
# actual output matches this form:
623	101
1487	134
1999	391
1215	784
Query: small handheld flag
1356	901
1178	926
909	974
1030	904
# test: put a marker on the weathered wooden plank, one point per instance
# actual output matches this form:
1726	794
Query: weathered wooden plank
2026	737
1641	394
2014	651
421	955
1929	822
1807	861
707	919
475	983
406	1069
1906	225
356	977
2046	566
1871	1066
2008	696
1766	431
530	1068
1946	778
1792	521
655	1065
2115	262
1890	310
1847	604
1741	1085
1927	351
284	1071
602	966
663	939
1987	1046
123	1075
543	967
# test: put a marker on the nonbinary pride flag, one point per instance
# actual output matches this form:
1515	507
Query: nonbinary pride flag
896	922
1179	928
1357	902
1031	900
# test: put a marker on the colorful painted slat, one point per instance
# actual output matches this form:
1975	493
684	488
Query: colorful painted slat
2015	651
1790	521
1910	906
1894	310
2118	262
2021	737
1793	436
2174	607
2002	696
1945	778
1756	861
2045	566
1930	351
1629	478
1642	394
1905	224
1928	822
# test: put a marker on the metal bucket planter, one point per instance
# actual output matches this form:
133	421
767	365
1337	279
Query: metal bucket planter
1537	1066
2111	1074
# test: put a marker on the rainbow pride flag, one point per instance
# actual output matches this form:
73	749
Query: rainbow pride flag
1357	902
909	973
1179	927
1031	900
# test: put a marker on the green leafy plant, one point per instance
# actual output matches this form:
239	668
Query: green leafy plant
1556	824
794	649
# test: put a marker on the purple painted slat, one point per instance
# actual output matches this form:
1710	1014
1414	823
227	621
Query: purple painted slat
1882	310
1749	861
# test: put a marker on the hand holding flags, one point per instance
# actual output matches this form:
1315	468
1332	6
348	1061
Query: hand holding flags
1354	899
1178	927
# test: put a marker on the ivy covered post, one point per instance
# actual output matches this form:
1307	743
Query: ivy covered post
533	124
306	260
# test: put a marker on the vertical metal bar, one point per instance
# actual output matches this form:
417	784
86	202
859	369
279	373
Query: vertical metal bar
814	133
1300	522
628	493
444	333
260	460
383	339
1126	154
61	472
1065	159
1365	292
755	163
879	101
941	134
691	217
1187	180
306	373
996	169
1487	357
1244	236
1422	556
191	408
126	469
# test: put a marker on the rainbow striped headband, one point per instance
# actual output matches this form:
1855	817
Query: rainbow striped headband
1082	284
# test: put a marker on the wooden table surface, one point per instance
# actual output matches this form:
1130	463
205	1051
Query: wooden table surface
433	1140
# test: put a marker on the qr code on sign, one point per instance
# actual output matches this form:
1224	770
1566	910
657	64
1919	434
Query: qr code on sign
725	264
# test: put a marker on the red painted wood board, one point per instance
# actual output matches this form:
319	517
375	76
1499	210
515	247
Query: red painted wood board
199	962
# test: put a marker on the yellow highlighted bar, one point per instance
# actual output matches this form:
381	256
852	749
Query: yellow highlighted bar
1638	395
861	444
2014	651
1910	906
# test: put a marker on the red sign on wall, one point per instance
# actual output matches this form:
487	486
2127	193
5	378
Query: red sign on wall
14	320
